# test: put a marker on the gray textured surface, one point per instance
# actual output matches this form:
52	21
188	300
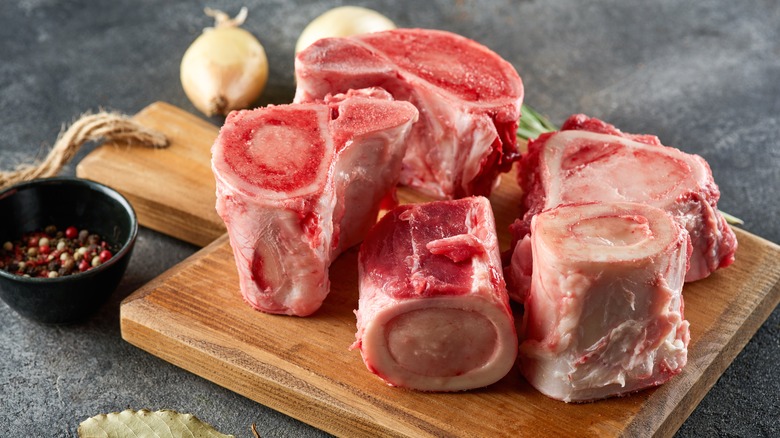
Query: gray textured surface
703	76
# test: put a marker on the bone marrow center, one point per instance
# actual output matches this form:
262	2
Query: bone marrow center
278	157
612	231
441	342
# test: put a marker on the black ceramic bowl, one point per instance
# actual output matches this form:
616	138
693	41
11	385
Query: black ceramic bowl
64	202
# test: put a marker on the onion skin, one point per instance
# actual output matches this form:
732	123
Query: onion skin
343	21
224	69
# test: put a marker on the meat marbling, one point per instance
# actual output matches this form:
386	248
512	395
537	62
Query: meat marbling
604	314
433	310
591	161
297	184
469	100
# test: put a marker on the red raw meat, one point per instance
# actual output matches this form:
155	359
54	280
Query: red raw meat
604	314
433	311
469	100
297	184
591	161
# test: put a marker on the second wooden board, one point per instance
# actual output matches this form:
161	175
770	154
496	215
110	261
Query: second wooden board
172	189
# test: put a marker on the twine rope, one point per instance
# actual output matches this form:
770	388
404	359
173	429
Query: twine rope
108	126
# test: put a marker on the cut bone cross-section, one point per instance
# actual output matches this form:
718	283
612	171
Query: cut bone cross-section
469	100
433	311
298	184
604	314
592	161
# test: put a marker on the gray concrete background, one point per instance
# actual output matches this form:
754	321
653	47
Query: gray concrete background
703	76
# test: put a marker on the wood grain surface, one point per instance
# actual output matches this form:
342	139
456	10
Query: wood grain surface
194	317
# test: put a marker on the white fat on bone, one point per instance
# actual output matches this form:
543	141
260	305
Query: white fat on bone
604	313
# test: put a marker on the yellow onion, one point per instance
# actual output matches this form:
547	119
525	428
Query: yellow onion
343	21
225	68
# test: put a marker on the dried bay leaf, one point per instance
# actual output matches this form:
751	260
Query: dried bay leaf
147	424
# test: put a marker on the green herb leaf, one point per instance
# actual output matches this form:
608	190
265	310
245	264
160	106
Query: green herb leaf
733	220
532	124
145	423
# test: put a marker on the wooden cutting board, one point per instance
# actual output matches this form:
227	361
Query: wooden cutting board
193	316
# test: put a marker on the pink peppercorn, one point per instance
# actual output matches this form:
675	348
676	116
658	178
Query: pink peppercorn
104	255
71	232
39	254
